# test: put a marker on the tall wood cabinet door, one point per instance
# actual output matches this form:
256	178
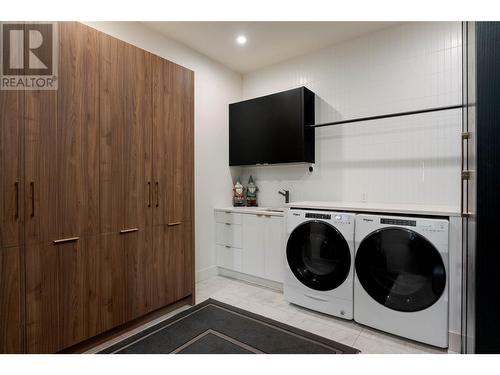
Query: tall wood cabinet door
139	266
11	329
112	282
42	302
41	177
173	133
78	265
78	131
112	123
61	144
172	258
11	184
137	139
126	186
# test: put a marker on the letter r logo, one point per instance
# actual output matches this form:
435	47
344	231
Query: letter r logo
27	49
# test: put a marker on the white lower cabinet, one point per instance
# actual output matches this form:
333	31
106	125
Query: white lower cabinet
254	246
230	257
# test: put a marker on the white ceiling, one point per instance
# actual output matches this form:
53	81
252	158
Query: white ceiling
268	42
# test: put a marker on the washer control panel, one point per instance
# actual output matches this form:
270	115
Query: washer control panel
310	215
408	223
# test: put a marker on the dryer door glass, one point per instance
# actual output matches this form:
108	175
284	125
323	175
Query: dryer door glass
400	269
318	255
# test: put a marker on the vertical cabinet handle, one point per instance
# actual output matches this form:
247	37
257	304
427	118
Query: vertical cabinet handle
157	195
16	186
149	193
32	187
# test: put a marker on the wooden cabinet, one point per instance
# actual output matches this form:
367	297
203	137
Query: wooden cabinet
77	141
11	322
172	258
251	243
139	273
173	142
11	188
125	136
96	194
61	144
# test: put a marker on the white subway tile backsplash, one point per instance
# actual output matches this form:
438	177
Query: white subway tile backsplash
412	159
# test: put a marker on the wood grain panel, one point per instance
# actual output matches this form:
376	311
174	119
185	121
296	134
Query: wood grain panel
171	253
139	267
173	141
78	265
112	120
40	154
11	182
180	146
42	302
11	322
78	131
112	282
137	139
163	113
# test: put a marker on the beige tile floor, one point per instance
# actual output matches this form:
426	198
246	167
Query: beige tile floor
271	303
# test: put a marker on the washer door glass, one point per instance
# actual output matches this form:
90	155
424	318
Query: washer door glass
318	255
400	269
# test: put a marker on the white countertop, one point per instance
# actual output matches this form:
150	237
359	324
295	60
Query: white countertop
432	210
254	210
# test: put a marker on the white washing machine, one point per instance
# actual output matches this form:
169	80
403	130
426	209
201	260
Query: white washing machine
401	278
319	264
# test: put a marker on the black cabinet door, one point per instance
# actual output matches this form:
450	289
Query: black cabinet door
400	269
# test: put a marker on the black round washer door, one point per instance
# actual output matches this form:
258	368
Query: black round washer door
400	269
318	255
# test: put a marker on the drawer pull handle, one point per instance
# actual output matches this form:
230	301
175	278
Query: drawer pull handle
149	194
16	186
157	194
64	240
227	223
32	188
129	230
228	212
227	246
174	224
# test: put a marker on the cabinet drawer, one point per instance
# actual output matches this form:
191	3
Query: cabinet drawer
229	235
227	217
229	257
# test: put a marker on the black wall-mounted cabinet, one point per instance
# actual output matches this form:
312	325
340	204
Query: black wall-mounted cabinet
272	129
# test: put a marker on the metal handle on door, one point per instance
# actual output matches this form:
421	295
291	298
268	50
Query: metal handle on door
129	230
149	193
64	240
174	224
157	195
16	214
32	187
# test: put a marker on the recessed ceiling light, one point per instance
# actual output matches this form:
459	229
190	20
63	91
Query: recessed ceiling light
241	39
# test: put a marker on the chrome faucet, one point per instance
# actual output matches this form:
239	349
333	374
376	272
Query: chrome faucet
286	194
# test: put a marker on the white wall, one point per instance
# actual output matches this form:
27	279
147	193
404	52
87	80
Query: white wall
215	87
413	159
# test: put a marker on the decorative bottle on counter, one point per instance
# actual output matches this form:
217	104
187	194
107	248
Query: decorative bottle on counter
238	194
252	193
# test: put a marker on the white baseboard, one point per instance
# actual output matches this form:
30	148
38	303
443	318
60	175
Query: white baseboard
251	279
206	273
